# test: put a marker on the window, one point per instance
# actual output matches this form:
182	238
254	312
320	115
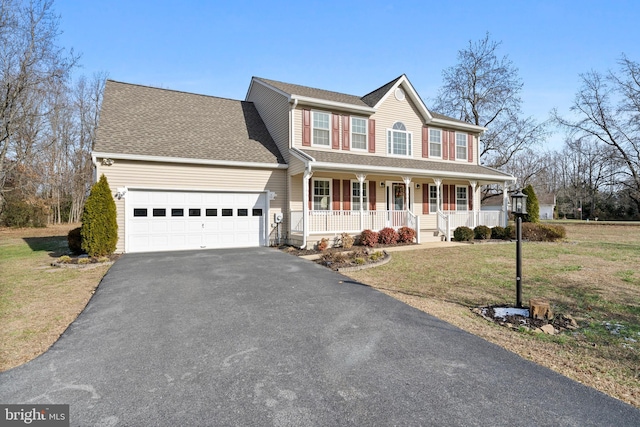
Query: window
256	212
461	198
243	212
399	140
211	212
139	212
227	212
321	129
321	194
355	196
461	146
433	199
177	212
358	133
194	212
435	143
159	212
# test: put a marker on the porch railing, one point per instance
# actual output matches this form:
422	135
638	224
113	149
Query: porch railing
448	221
352	221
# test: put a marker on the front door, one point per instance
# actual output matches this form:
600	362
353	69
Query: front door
398	196
396	204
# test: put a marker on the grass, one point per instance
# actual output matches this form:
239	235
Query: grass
592	275
38	302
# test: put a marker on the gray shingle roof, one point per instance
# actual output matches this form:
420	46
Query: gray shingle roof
372	98
341	157
148	121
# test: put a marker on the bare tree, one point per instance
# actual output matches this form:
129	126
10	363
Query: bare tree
608	112
484	90
30	64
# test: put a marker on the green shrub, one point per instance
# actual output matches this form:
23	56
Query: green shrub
64	259
74	240
406	235
99	227
360	261
497	232
376	256
84	261
368	238
482	232
388	236
19	212
533	207
510	232
542	232
462	234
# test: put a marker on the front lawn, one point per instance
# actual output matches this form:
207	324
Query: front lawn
594	275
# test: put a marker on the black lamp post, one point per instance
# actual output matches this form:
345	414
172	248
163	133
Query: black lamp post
519	209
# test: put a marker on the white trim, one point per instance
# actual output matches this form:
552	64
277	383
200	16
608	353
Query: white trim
162	159
466	147
366	134
458	125
313	194
315	102
389	142
435	187
429	129
365	200
330	129
466	190
408	87
301	155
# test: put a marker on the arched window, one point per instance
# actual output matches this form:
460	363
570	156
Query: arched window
399	140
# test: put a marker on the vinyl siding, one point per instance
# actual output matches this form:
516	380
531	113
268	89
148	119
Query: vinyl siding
274	111
153	175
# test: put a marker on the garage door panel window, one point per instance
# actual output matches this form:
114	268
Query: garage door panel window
227	212
257	212
159	212
211	212
177	212
194	212
139	212
243	212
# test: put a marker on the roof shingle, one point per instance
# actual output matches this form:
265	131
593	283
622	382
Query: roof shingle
148	121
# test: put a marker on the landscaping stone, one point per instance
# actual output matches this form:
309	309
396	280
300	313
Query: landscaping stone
548	329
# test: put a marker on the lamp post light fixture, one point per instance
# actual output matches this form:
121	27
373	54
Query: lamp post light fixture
519	209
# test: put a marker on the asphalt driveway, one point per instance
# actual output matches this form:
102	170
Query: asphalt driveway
255	337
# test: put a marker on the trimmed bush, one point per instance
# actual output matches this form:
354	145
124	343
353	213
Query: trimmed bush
406	235
533	207
99	227
482	232
542	232
463	234
510	232
74	240
368	238
497	232
388	236
346	240
19	212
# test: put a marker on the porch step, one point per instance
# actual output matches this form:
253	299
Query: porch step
430	236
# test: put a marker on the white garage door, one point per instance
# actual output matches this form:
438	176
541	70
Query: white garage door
178	220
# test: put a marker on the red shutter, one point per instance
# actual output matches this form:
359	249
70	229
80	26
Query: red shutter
372	136
445	145
345	132
452	198
310	194
445	197
470	147
470	198
371	192
346	195
335	133
425	199
452	145
425	142
306	127
336	195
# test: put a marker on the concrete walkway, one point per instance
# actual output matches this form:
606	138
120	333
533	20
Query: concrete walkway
256	337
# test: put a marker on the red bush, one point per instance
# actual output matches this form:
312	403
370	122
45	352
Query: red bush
369	238
406	235
388	236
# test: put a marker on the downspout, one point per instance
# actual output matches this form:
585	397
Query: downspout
305	203
292	133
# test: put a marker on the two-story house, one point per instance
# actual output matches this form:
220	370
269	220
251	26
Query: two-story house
289	164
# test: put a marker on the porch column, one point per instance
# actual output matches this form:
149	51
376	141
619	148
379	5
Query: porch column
361	178
407	186
505	203
305	206
474	202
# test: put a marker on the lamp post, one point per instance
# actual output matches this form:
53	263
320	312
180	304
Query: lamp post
519	209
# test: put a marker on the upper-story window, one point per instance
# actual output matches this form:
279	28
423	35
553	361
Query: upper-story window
435	143
399	140
321	128
461	146
358	133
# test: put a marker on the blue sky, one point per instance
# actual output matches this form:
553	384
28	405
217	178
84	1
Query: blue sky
215	47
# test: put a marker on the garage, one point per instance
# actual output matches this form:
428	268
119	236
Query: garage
159	220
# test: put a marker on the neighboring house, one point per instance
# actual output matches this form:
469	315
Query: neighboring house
289	164
546	203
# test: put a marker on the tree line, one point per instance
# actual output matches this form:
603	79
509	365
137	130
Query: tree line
47	120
